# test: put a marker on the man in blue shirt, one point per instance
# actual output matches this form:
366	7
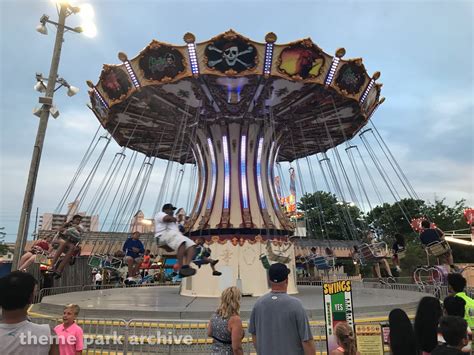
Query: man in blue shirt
430	235
133	249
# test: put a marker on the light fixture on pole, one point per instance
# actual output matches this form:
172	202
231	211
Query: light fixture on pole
41	28
72	90
41	87
53	110
47	108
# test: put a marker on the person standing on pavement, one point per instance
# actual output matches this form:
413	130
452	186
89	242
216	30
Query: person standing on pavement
278	323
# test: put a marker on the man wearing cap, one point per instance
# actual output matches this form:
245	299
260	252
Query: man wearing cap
169	237
278	323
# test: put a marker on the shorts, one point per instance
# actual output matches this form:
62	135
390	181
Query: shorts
173	239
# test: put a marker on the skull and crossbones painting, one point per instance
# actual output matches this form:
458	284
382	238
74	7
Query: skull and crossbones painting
235	55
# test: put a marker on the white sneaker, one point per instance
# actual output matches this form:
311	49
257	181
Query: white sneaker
398	268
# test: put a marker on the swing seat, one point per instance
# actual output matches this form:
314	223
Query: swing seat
372	253
112	263
95	261
323	262
199	262
41	258
200	254
279	258
437	249
264	259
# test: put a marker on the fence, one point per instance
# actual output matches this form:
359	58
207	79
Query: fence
147	336
151	336
52	291
79	274
440	292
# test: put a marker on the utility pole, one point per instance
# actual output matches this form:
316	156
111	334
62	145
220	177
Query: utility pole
64	10
47	102
35	235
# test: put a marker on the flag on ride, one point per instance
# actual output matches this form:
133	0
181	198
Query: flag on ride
291	206
292	182
278	186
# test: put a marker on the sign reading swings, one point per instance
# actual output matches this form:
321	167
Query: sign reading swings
337	309
336	287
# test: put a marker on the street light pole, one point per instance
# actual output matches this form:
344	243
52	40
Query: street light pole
47	102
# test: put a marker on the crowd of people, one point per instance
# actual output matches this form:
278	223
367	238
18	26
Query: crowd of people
169	235
170	226
20	336
374	252
278	323
438	329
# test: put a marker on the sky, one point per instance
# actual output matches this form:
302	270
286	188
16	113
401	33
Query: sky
423	49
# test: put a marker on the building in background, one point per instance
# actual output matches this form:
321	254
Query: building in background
141	224
54	221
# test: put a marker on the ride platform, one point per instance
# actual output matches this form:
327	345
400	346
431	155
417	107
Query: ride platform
165	303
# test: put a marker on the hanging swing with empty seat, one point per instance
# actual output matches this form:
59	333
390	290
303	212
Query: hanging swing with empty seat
372	253
322	263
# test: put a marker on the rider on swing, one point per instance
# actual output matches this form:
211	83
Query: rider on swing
203	256
70	235
169	237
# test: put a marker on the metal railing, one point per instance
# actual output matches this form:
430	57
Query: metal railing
366	283
52	291
149	336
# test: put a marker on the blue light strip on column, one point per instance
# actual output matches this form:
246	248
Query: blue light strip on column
213	173
225	150
243	171
259	174
203	170
271	182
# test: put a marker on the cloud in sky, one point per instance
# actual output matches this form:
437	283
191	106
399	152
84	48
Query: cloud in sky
424	50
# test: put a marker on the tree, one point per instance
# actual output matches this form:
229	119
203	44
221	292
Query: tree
327	218
446	217
3	246
389	219
449	218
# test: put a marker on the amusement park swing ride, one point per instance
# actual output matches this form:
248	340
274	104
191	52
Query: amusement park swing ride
228	114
